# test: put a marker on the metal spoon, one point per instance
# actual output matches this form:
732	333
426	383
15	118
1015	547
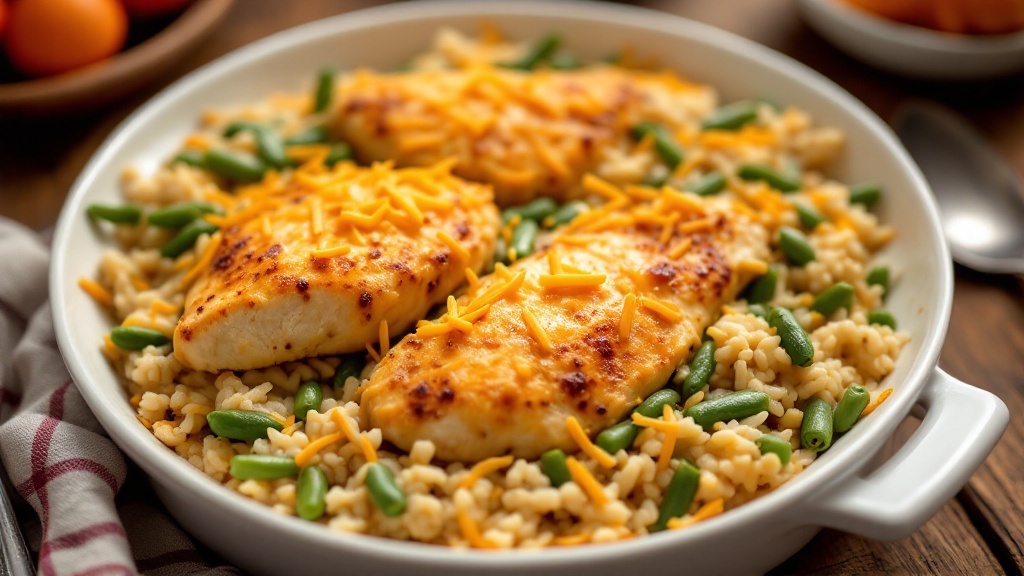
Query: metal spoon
979	195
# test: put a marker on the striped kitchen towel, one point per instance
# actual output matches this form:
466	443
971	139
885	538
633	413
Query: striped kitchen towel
94	514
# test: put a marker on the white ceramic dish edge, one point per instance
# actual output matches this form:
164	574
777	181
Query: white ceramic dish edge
890	504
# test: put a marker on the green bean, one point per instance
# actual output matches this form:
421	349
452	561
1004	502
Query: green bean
136	337
809	217
385	493
351	366
234	165
124	214
682	488
536	210
816	429
339	151
566	213
554	466
762	289
180	214
241	424
865	194
839	295
654	405
524	237
731	116
542	51
777	180
879	276
732	406
262	467
564	61
702	366
311	493
710	184
186	238
657	177
759	310
882	318
500	251
238	126
618	437
795	246
270	148
664	142
308	397
324	92
795	340
193	158
772	444
311	135
848	410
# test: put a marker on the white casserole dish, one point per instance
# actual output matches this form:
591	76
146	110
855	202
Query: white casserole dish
961	423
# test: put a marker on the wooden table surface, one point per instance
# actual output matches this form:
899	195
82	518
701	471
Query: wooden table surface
981	531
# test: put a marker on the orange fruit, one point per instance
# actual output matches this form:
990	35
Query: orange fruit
52	36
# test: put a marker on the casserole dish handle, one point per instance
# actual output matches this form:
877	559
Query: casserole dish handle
960	427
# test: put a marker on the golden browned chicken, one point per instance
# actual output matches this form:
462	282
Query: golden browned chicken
527	133
586	327
315	266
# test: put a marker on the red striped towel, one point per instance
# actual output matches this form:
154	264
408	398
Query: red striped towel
95	515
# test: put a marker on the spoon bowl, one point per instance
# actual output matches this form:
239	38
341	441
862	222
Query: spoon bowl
979	195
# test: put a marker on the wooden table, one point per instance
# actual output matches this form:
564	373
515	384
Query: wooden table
981	531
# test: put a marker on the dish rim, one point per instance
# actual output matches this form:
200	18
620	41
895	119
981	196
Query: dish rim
176	469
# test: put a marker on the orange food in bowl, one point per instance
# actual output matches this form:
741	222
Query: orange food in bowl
46	37
958	16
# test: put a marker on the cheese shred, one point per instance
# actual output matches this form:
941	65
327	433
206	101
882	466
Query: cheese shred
604	459
485	467
536	330
307	453
98	293
586	481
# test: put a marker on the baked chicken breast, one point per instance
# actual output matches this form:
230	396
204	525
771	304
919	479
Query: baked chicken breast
314	266
528	133
586	327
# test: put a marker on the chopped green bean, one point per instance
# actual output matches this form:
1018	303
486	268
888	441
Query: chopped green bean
839	295
270	148
238	126
233	165
180	214
731	116
762	289
702	366
124	214
816	429
241	424
654	404
795	340
809	217
384	491
351	367
311	135
524	237
262	467
682	488
566	213
308	397
186	238
311	493
758	310
732	406
664	142
882	318
137	337
795	246
865	194
564	60
554	466
324	92
339	152
879	276
618	437
772	444
536	210
777	180
848	410
542	51
708	185
193	158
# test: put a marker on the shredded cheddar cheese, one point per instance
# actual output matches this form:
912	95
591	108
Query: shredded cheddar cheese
711	509
485	467
537	331
663	309
98	293
626	318
679	249
307	453
668	444
204	261
341	420
341	250
457	249
604	459
571	281
586	481
469	529
882	397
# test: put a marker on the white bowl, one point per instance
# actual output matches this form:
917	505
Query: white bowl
912	50
960	427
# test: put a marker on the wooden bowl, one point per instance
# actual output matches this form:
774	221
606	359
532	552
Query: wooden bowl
104	82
